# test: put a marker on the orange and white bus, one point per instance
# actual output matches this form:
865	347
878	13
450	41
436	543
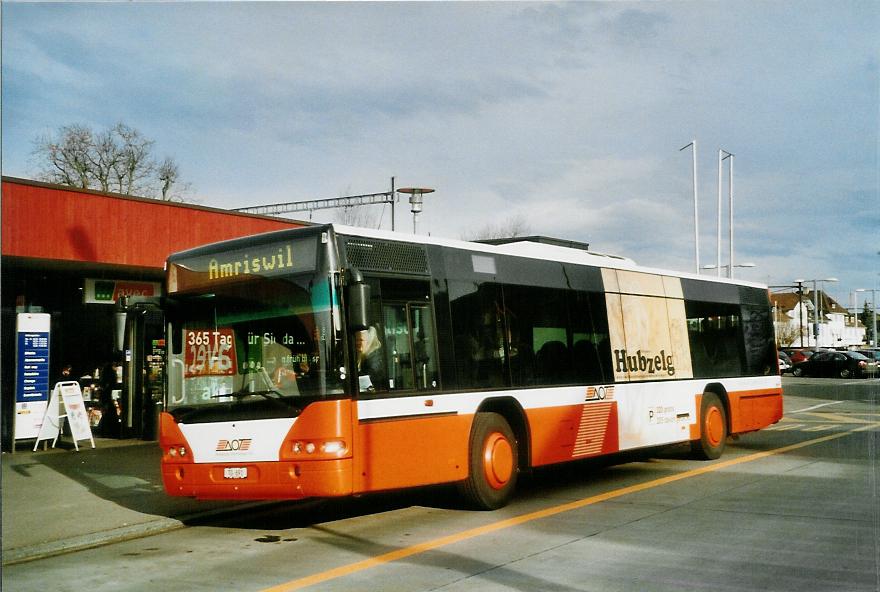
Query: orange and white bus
331	361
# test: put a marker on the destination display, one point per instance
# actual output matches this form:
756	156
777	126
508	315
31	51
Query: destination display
270	260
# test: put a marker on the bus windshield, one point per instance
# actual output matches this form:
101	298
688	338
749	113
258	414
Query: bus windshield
262	347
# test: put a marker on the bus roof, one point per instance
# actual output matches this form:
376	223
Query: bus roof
543	249
537	250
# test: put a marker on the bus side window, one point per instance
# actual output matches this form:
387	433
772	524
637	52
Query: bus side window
540	335
477	325
591	353
714	333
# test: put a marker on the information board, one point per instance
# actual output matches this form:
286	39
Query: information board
32	373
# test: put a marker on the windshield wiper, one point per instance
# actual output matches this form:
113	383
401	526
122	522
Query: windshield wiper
242	394
271	394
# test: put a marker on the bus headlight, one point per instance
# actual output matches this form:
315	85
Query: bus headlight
331	447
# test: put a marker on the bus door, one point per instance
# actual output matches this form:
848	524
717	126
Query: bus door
407	436
143	372
411	351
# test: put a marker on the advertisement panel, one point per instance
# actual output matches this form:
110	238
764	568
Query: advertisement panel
210	352
109	291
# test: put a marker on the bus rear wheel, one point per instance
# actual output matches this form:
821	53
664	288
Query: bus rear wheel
492	458
713	429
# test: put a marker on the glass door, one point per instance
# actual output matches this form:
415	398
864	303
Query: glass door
410	346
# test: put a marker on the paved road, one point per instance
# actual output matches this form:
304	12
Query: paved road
855	389
789	508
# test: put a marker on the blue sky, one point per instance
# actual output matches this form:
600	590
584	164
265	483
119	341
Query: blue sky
570	115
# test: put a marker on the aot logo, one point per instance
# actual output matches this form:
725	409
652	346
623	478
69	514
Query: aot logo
234	445
599	393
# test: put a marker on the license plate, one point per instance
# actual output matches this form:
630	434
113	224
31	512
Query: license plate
235	473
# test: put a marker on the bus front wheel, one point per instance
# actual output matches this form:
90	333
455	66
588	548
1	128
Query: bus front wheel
713	429
492	458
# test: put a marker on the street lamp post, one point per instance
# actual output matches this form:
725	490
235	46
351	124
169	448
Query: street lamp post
729	158
873	314
799	284
416	195
722	156
749	264
855	305
718	224
816	311
693	145
800	287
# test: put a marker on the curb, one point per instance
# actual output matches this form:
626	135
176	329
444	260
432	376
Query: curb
115	535
89	541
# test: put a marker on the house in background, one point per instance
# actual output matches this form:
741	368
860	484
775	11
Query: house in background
794	315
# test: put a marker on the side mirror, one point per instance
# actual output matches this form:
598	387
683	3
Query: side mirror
358	303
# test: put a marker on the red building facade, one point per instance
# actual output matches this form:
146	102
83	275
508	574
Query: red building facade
68	252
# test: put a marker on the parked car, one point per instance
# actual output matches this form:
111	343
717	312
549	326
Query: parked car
799	354
845	364
874	354
871	354
784	362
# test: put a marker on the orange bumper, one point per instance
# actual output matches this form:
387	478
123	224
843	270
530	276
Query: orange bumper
264	480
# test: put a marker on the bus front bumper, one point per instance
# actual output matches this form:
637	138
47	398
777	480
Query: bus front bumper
259	480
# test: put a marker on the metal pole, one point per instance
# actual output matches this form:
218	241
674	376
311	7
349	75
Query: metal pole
393	199
801	310
855	302
730	214
693	144
874	318
718	225
815	316
873	340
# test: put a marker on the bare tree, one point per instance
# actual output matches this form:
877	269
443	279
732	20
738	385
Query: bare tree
118	159
508	228
786	335
171	187
357	216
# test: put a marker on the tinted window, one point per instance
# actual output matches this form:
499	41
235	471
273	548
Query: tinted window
477	332
759	340
591	347
539	337
714	331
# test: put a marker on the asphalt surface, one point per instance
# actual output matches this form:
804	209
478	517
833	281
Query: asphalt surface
59	500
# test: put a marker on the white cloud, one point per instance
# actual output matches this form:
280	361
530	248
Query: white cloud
570	114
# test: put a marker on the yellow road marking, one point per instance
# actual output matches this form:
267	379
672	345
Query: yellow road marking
839	418
783	427
821	427
351	568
